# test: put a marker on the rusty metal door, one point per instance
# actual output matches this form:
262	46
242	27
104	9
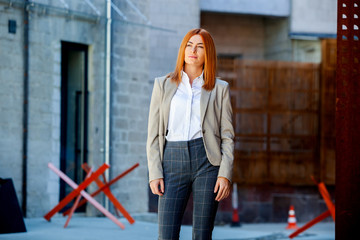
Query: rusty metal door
276	118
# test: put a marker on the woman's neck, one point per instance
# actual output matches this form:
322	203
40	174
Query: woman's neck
192	72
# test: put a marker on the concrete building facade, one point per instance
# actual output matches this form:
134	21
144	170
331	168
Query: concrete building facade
53	27
47	29
129	103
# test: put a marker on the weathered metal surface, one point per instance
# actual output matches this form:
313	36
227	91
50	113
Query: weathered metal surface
327	111
276	118
348	119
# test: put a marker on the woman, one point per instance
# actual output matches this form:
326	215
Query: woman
190	138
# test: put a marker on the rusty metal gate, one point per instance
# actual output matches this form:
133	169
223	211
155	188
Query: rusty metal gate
276	118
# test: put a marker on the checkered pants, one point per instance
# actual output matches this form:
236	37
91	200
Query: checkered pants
187	169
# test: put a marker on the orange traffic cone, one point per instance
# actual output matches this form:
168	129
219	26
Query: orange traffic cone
292	219
235	222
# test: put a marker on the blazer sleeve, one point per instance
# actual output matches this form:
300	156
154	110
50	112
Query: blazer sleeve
227	136
152	144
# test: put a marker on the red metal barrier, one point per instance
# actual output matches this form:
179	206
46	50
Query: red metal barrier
330	212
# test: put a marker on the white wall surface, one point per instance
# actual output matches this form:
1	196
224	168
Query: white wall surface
314	17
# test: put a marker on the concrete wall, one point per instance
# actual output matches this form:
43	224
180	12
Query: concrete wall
314	17
176	18
11	98
46	33
307	50
255	7
130	103
277	43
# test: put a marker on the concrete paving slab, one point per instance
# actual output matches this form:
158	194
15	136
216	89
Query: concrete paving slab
92	228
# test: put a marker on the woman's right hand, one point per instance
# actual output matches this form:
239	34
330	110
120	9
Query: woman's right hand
157	186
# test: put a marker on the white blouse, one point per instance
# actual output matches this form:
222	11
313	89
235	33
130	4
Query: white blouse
184	117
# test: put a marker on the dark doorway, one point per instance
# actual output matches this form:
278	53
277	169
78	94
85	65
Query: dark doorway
74	109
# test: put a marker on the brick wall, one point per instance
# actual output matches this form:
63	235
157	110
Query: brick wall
236	34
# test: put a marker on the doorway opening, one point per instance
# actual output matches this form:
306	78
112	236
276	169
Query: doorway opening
74	110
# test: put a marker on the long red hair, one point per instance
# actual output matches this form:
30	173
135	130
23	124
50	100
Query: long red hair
210	58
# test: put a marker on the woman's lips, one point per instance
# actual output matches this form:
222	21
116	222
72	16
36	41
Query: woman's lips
192	56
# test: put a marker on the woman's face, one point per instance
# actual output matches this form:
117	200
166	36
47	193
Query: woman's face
195	51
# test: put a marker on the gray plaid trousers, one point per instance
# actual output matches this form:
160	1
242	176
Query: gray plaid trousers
187	169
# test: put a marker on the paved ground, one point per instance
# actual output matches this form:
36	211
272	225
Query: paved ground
85	228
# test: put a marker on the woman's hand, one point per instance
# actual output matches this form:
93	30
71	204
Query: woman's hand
157	186
222	188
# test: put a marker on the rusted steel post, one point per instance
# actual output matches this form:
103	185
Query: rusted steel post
348	119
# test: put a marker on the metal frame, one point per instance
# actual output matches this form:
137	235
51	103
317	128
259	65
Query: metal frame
347	119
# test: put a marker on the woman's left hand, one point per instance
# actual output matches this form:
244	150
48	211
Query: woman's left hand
222	188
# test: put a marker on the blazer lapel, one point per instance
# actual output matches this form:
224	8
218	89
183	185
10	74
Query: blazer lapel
169	91
204	100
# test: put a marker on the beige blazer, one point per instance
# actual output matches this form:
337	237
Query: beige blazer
217	128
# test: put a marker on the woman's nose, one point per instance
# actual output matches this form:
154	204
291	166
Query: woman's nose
193	49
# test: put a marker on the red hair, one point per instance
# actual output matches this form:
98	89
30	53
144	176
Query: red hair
210	58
